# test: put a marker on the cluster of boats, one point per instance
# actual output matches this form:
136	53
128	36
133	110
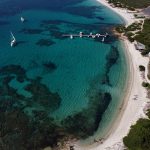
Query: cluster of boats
13	39
87	35
91	35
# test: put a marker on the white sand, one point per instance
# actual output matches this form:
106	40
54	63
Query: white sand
132	109
128	17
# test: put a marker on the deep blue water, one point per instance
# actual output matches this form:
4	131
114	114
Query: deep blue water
80	78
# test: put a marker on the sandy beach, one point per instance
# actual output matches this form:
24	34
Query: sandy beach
128	17
131	109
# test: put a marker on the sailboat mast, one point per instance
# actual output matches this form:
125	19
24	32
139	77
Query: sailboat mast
12	35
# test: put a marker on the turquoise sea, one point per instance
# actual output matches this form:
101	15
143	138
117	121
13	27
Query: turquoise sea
54	88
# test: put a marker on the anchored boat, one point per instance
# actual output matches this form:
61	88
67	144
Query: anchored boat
13	40
22	19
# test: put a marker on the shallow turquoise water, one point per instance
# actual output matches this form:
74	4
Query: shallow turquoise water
81	62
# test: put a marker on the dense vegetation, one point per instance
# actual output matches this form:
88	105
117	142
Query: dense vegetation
128	31
133	27
131	4
139	135
144	35
133	32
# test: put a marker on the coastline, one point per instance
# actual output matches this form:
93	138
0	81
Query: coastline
123	13
131	110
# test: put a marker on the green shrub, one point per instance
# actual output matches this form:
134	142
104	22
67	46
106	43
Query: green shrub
131	8
131	39
148	76
144	52
148	113
145	84
139	136
144	35
129	34
120	28
141	68
133	27
131	4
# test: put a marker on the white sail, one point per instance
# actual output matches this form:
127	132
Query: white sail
13	37
13	40
103	39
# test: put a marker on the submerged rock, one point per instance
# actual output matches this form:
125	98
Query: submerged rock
18	129
43	96
23	126
31	31
111	58
57	34
49	66
40	92
14	70
19	132
6	90
45	42
86	122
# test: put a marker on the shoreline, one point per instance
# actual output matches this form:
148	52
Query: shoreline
131	110
123	13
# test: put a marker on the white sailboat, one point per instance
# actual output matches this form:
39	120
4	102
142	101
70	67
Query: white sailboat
106	34
103	39
93	36
80	34
71	36
22	19
13	40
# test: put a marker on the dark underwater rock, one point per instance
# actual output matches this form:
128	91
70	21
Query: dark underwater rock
50	66
14	70
86	122
100	18
31	31
111	58
40	93
20	42
82	11
78	125
19	132
101	108
18	129
6	103
45	42
13	129
57	34
6	90
43	96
